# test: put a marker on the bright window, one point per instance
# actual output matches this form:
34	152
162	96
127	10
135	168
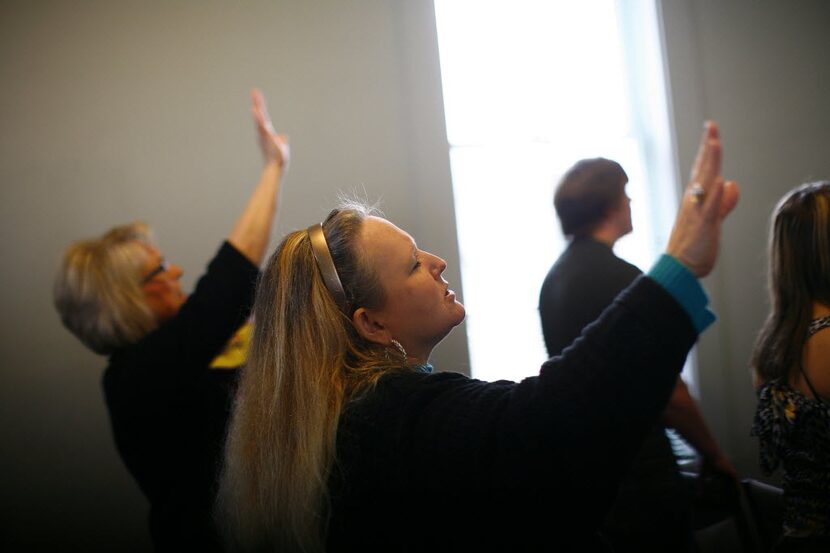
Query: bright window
529	88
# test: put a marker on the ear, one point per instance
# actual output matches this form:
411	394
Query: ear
615	214
369	327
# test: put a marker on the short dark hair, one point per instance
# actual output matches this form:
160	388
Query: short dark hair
586	193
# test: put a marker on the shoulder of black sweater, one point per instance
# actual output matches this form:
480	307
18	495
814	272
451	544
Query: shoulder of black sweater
233	258
220	303
589	243
404	381
589	246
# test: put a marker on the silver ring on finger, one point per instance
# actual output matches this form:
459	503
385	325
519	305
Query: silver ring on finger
697	193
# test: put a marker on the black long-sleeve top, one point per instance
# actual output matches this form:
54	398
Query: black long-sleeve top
652	509
579	286
169	411
433	462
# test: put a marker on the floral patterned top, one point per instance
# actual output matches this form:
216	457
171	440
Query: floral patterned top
794	433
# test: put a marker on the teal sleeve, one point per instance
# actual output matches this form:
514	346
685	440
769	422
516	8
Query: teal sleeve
676	279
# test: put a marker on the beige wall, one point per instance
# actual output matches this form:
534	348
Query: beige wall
112	111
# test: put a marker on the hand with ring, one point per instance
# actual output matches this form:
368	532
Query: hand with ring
708	200
697	193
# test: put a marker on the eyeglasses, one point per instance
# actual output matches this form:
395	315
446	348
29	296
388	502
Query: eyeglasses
164	266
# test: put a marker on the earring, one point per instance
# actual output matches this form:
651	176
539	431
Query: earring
399	347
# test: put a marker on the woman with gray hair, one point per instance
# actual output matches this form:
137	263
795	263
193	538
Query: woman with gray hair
168	410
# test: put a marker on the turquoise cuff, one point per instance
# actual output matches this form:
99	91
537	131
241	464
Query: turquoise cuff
676	279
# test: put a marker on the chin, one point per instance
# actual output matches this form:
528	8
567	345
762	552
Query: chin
462	314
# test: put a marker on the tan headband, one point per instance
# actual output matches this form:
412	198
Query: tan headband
320	249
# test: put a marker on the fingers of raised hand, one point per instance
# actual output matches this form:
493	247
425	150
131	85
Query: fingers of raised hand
285	149
705	172
701	149
731	194
712	199
274	146
260	112
708	162
263	122
257	99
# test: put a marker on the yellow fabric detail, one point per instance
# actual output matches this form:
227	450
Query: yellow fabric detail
236	350
785	404
789	410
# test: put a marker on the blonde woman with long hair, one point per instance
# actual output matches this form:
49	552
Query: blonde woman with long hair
344	439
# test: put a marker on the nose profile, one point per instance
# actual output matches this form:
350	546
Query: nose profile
438	265
176	271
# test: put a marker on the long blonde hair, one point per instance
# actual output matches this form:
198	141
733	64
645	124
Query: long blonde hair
97	290
799	274
306	362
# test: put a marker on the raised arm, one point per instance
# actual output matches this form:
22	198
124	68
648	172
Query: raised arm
252	230
693	243
708	199
613	382
566	436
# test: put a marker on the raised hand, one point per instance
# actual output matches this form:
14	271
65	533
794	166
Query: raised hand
274	146
252	230
708	199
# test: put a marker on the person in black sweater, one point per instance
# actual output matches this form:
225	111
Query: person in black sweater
343	439
168	390
652	511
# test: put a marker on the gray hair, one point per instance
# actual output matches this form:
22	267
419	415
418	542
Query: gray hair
97	289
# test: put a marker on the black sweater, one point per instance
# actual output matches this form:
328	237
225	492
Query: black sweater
169	411
581	284
444	462
651	511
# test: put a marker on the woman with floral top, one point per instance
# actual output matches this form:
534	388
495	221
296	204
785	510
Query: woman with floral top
791	365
